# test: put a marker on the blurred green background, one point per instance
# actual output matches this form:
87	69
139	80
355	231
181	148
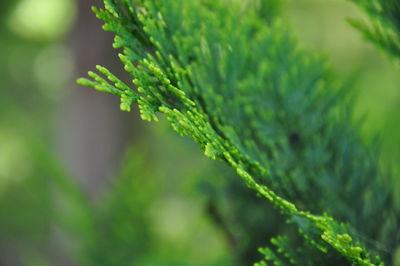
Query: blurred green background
82	183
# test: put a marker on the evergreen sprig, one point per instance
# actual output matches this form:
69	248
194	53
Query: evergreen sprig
231	75
383	27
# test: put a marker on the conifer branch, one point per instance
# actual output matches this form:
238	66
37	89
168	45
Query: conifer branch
383	27
249	96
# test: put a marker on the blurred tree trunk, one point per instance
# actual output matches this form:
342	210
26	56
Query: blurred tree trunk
92	132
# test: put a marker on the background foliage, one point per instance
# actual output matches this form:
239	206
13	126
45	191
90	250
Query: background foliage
172	196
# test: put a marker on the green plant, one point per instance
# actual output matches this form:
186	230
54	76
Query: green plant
231	75
383	28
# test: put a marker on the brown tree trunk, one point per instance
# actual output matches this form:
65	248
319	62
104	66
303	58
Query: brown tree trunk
92	132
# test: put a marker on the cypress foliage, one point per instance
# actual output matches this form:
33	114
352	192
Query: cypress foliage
231	75
383	28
